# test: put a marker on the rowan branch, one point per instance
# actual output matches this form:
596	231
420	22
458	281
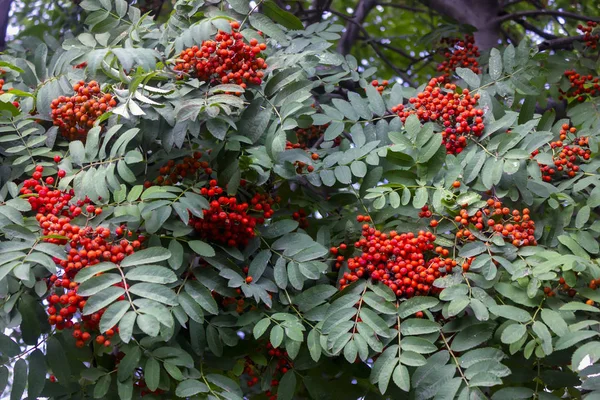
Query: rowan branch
533	13
559	43
354	25
536	30
373	44
403	7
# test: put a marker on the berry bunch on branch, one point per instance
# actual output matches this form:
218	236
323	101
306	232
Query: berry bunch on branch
459	53
226	59
75	116
407	263
229	221
455	112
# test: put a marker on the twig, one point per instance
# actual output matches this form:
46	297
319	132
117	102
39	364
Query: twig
533	13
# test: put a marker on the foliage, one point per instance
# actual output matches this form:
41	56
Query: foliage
169	233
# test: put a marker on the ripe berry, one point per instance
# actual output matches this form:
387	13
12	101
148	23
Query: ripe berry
456	184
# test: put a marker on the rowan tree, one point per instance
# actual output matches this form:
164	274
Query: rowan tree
224	202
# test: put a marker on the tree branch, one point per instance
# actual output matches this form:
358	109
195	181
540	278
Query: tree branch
354	25
373	44
560	43
536	30
318	7
533	13
4	17
403	7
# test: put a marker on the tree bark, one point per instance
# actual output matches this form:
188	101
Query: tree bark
482	14
4	17
363	8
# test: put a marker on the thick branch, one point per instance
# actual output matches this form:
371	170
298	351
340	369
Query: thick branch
354	25
403	7
533	13
4	17
479	13
318	7
560	43
536	30
373	44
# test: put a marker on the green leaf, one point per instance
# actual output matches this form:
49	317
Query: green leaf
155	292
470	77
415	326
401	377
202	295
191	307
151	274
289	20
589	351
495	64
418	303
57	360
513	333
102	386
511	312
148	324
113	315
287	386
19	380
263	23
555	322
276	335
544	334
190	387
102	299
126	326
150	255
261	327
473	336
97	284
129	363
376	103
37	369
259	264
152	373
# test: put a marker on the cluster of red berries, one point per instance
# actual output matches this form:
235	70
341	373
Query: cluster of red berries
590	39
380	86
282	365
300	216
568	157
75	116
86	246
14	103
307	137
459	53
300	165
514	226
228	221
581	85
455	112
407	263
172	172
227	59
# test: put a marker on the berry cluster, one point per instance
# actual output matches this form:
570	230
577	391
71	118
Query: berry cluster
567	157
86	246
514	226
407	263
581	85
227	59
14	103
590	38
380	86
455	112
76	115
172	172
282	365
459	53
300	216
228	221
307	137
